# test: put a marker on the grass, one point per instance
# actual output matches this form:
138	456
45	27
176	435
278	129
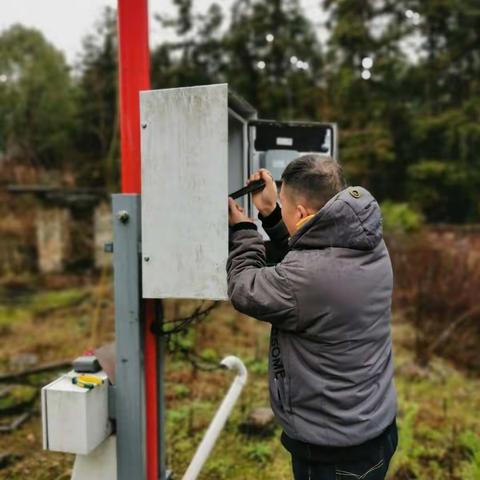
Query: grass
37	304
438	407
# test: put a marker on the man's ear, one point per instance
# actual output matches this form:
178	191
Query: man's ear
302	211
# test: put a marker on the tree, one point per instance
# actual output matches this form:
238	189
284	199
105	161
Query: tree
410	129
36	103
365	71
97	133
197	57
445	90
269	54
275	58
408	117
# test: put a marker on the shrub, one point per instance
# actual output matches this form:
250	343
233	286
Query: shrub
437	290
400	218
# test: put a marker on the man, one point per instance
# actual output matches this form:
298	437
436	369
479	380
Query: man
328	301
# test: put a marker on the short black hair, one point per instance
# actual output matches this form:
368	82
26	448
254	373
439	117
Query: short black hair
315	177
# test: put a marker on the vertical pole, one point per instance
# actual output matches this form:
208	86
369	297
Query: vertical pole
161	348
134	76
151	400
129	394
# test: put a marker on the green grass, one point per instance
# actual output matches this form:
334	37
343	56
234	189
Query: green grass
438	424
39	303
438	407
57	299
17	395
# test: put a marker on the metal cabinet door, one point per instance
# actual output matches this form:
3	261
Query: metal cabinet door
184	192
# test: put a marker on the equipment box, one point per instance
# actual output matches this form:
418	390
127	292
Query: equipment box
75	419
198	145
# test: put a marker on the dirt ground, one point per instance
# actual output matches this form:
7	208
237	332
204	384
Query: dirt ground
60	318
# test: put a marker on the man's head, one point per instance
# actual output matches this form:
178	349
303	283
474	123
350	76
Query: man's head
308	183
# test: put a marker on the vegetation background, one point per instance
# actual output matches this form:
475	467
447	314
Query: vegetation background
402	80
409	132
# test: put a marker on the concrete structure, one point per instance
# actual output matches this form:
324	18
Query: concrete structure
53	238
103	233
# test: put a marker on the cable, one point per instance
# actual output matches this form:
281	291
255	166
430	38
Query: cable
195	360
183	323
180	326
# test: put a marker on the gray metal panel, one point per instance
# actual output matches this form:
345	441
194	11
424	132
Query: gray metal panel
335	141
277	160
239	151
236	155
129	385
184	192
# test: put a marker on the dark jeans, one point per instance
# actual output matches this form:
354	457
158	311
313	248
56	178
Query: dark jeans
372	468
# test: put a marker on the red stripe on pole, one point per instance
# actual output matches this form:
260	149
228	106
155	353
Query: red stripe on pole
150	352
134	76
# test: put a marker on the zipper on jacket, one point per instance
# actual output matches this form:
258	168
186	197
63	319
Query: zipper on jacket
282	386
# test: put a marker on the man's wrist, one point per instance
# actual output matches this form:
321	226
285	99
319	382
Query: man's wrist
271	220
266	212
246	225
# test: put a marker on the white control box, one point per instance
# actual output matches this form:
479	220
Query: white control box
75	419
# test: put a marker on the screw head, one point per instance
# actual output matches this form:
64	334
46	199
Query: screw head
123	216
108	247
147	259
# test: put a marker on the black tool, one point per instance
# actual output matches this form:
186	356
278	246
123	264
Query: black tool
252	187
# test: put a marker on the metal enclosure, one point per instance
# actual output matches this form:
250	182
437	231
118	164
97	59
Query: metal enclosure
276	144
240	113
198	145
194	151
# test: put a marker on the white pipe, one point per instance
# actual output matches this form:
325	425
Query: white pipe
220	418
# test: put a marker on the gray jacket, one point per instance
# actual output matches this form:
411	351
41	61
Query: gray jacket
329	304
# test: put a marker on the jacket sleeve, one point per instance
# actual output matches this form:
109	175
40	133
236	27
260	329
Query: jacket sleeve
262	292
276	230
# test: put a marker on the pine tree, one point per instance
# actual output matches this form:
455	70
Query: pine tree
97	121
269	53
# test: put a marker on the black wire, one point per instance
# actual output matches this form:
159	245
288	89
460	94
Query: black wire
196	361
182	324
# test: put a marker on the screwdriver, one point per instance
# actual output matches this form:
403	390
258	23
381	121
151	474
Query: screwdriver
252	187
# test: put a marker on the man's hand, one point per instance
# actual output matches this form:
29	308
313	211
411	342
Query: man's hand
266	199
236	214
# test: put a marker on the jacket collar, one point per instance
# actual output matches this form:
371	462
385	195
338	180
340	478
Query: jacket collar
303	221
351	219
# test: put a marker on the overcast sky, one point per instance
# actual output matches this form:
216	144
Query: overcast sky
65	22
